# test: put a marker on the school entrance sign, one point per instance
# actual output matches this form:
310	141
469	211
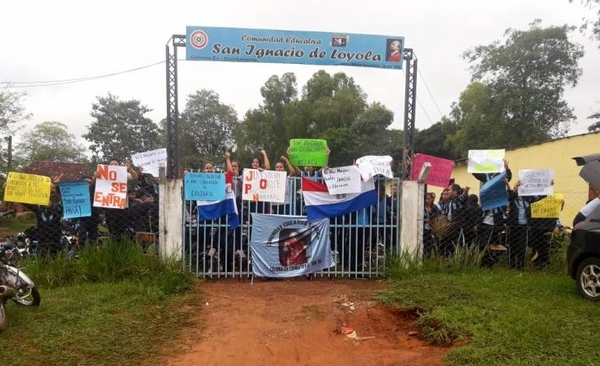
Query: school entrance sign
294	47
289	47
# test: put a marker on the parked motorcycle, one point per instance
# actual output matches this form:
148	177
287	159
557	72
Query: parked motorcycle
15	285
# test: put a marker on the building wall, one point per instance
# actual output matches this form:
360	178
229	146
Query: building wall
557	155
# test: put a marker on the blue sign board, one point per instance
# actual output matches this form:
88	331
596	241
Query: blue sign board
204	186
294	47
76	199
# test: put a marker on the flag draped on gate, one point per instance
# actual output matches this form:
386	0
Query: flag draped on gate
212	210
320	204
288	246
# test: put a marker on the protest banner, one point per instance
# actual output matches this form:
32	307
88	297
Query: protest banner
440	172
371	165
28	188
264	185
204	186
548	207
149	161
288	246
111	187
76	199
536	182
493	193
308	152
486	161
342	180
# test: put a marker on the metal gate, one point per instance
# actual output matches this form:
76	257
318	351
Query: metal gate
360	241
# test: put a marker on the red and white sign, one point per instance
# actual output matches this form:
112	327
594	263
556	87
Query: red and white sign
440	173
111	186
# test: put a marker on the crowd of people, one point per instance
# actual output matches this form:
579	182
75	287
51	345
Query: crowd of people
140	215
457	219
350	234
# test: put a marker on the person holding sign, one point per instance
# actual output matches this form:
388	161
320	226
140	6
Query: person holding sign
256	163
493	219
48	229
280	166
541	230
519	216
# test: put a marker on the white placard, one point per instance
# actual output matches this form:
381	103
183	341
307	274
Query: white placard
372	165
149	161
264	185
111	186
536	182
486	161
342	180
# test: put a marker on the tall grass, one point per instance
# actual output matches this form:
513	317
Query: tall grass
465	258
111	262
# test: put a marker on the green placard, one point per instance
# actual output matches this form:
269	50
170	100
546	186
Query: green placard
308	152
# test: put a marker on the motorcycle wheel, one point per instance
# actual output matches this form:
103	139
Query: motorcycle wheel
3	320
29	296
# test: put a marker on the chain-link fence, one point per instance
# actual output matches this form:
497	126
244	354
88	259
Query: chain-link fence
524	234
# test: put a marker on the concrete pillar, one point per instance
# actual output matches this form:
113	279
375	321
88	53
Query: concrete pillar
411	233
170	221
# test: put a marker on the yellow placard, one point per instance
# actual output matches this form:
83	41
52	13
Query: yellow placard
548	207
28	188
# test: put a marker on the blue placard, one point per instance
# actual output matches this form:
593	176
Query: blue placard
493	193
294	47
75	199
204	186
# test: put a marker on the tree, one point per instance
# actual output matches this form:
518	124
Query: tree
518	97
119	129
265	127
50	141
12	112
331	107
434	141
206	129
596	125
593	5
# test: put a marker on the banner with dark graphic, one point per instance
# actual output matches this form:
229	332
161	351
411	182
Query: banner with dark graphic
288	246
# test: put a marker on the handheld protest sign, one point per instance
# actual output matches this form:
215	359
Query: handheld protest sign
28	188
308	152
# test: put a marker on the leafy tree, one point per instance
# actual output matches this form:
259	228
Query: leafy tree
12	112
519	95
50	141
119	129
596	125
11	109
370	130
332	107
265	127
593	5
206	129
433	140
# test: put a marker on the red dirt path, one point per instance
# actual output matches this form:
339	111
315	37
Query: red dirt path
298	322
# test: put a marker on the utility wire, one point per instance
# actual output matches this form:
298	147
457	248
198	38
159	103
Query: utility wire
430	94
34	84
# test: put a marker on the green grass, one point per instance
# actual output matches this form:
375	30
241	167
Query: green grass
116	305
500	317
13	225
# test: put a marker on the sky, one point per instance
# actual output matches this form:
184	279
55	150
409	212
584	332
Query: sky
65	40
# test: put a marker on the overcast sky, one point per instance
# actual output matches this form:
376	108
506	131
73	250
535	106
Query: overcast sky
63	40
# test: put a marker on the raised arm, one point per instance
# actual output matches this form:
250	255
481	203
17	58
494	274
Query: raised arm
294	168
227	156
266	159
291	169
131	171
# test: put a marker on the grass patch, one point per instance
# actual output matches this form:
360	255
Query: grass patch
115	305
500	316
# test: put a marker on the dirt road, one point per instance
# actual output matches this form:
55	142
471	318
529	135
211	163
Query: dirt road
301	322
